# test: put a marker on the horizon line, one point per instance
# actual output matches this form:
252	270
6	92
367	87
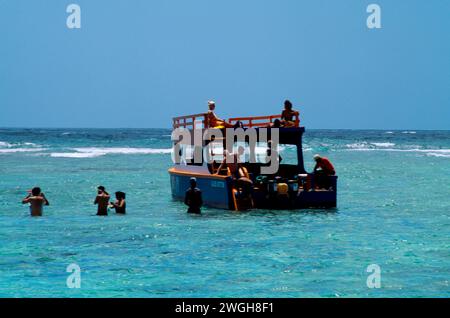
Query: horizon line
168	128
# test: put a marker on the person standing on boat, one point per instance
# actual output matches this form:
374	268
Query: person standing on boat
102	201
193	198
37	200
288	114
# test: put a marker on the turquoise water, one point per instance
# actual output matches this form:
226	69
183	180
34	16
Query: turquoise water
393	211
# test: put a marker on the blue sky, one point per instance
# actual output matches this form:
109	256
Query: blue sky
138	63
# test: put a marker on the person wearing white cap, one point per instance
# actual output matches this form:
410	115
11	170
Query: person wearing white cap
323	166
322	170
213	120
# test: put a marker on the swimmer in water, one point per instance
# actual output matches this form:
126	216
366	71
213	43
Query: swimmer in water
120	204
193	198
37	200
102	201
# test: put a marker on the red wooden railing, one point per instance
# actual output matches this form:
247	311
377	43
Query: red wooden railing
260	121
190	121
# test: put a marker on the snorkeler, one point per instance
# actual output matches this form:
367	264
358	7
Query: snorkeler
193	198
120	205
37	200
102	201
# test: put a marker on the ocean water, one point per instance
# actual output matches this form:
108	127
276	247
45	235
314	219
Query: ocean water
393	211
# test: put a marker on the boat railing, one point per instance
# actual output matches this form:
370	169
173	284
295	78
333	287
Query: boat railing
260	121
193	121
190	121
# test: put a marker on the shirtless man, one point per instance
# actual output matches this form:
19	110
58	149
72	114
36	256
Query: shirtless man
236	170
288	114
37	200
102	201
193	197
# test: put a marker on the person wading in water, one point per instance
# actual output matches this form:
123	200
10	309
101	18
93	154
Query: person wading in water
102	201
193	198
37	200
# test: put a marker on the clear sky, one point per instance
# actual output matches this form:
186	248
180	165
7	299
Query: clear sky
137	63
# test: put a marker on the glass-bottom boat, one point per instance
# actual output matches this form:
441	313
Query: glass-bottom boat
290	187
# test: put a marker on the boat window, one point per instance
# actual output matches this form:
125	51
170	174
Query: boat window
215	150
187	155
288	154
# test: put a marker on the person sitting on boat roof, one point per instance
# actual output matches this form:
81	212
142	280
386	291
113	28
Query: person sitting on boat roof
288	114
236	169
216	122
193	198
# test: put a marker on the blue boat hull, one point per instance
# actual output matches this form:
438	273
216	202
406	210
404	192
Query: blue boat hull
217	193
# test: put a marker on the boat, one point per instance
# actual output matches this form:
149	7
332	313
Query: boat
290	187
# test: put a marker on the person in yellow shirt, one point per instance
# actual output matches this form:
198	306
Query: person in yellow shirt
213	120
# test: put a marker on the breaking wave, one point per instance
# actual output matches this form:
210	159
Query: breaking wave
14	150
92	152
7	147
370	145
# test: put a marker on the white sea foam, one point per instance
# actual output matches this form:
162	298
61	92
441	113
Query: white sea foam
124	150
75	155
14	150
359	145
383	144
92	152
441	155
370	145
408	132
5	144
431	152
